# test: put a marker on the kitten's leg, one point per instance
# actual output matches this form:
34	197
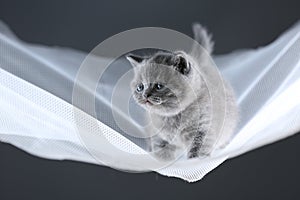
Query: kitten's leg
193	140
199	146
196	146
202	145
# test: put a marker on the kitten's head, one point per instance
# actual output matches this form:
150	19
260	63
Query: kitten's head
162	82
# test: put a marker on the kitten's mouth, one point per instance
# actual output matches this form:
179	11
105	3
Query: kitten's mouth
147	102
152	102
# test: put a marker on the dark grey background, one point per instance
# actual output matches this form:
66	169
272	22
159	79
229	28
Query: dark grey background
271	172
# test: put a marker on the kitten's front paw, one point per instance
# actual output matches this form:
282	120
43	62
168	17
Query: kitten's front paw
165	152
164	155
199	152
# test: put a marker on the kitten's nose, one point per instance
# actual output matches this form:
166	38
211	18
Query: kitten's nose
146	94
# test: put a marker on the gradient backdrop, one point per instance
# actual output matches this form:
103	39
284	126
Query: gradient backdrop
271	172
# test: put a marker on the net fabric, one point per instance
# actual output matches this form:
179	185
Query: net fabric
37	116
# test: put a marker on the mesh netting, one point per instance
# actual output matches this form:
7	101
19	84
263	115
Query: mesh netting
37	115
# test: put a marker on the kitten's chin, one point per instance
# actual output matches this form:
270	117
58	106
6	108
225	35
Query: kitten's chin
162	111
159	109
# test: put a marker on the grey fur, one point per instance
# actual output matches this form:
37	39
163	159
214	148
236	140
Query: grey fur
170	88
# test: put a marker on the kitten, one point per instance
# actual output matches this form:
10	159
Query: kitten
169	87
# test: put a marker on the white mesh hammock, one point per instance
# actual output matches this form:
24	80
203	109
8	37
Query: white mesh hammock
36	113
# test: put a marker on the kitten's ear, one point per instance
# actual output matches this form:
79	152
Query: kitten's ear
181	64
134	59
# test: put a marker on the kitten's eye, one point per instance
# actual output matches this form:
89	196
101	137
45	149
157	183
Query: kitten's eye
140	87
158	86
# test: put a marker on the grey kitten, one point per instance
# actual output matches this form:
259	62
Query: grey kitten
169	86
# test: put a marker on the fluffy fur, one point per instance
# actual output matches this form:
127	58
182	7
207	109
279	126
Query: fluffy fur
169	86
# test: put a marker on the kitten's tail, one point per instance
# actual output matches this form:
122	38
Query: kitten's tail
202	36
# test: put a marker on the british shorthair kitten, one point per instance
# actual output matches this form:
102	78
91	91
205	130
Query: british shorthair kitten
169	86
